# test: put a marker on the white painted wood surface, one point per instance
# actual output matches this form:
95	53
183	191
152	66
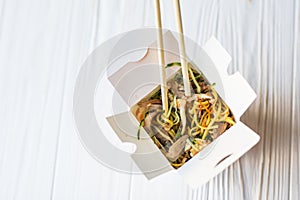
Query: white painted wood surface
42	46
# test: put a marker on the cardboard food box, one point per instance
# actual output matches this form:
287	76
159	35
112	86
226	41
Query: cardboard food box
137	80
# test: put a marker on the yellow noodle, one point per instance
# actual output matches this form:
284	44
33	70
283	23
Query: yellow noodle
195	81
212	121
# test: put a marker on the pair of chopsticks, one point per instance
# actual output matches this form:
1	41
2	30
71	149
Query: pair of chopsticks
161	58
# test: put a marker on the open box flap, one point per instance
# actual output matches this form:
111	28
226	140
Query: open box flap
147	156
218	54
222	152
242	90
136	79
221	59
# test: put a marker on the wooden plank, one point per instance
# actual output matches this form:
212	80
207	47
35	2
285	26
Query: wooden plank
86	178
32	76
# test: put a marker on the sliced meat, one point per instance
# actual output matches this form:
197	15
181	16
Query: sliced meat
182	112
221	129
148	123
176	148
149	101
176	88
149	105
161	135
155	129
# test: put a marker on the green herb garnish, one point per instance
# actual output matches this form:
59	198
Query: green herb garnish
141	124
173	64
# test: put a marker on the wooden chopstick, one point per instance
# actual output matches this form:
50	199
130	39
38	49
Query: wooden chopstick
161	58
184	66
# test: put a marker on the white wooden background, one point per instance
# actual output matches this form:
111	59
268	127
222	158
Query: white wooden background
42	46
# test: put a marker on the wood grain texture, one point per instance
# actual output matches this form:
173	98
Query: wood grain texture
44	43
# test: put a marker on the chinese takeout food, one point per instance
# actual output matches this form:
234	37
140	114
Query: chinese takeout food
191	123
